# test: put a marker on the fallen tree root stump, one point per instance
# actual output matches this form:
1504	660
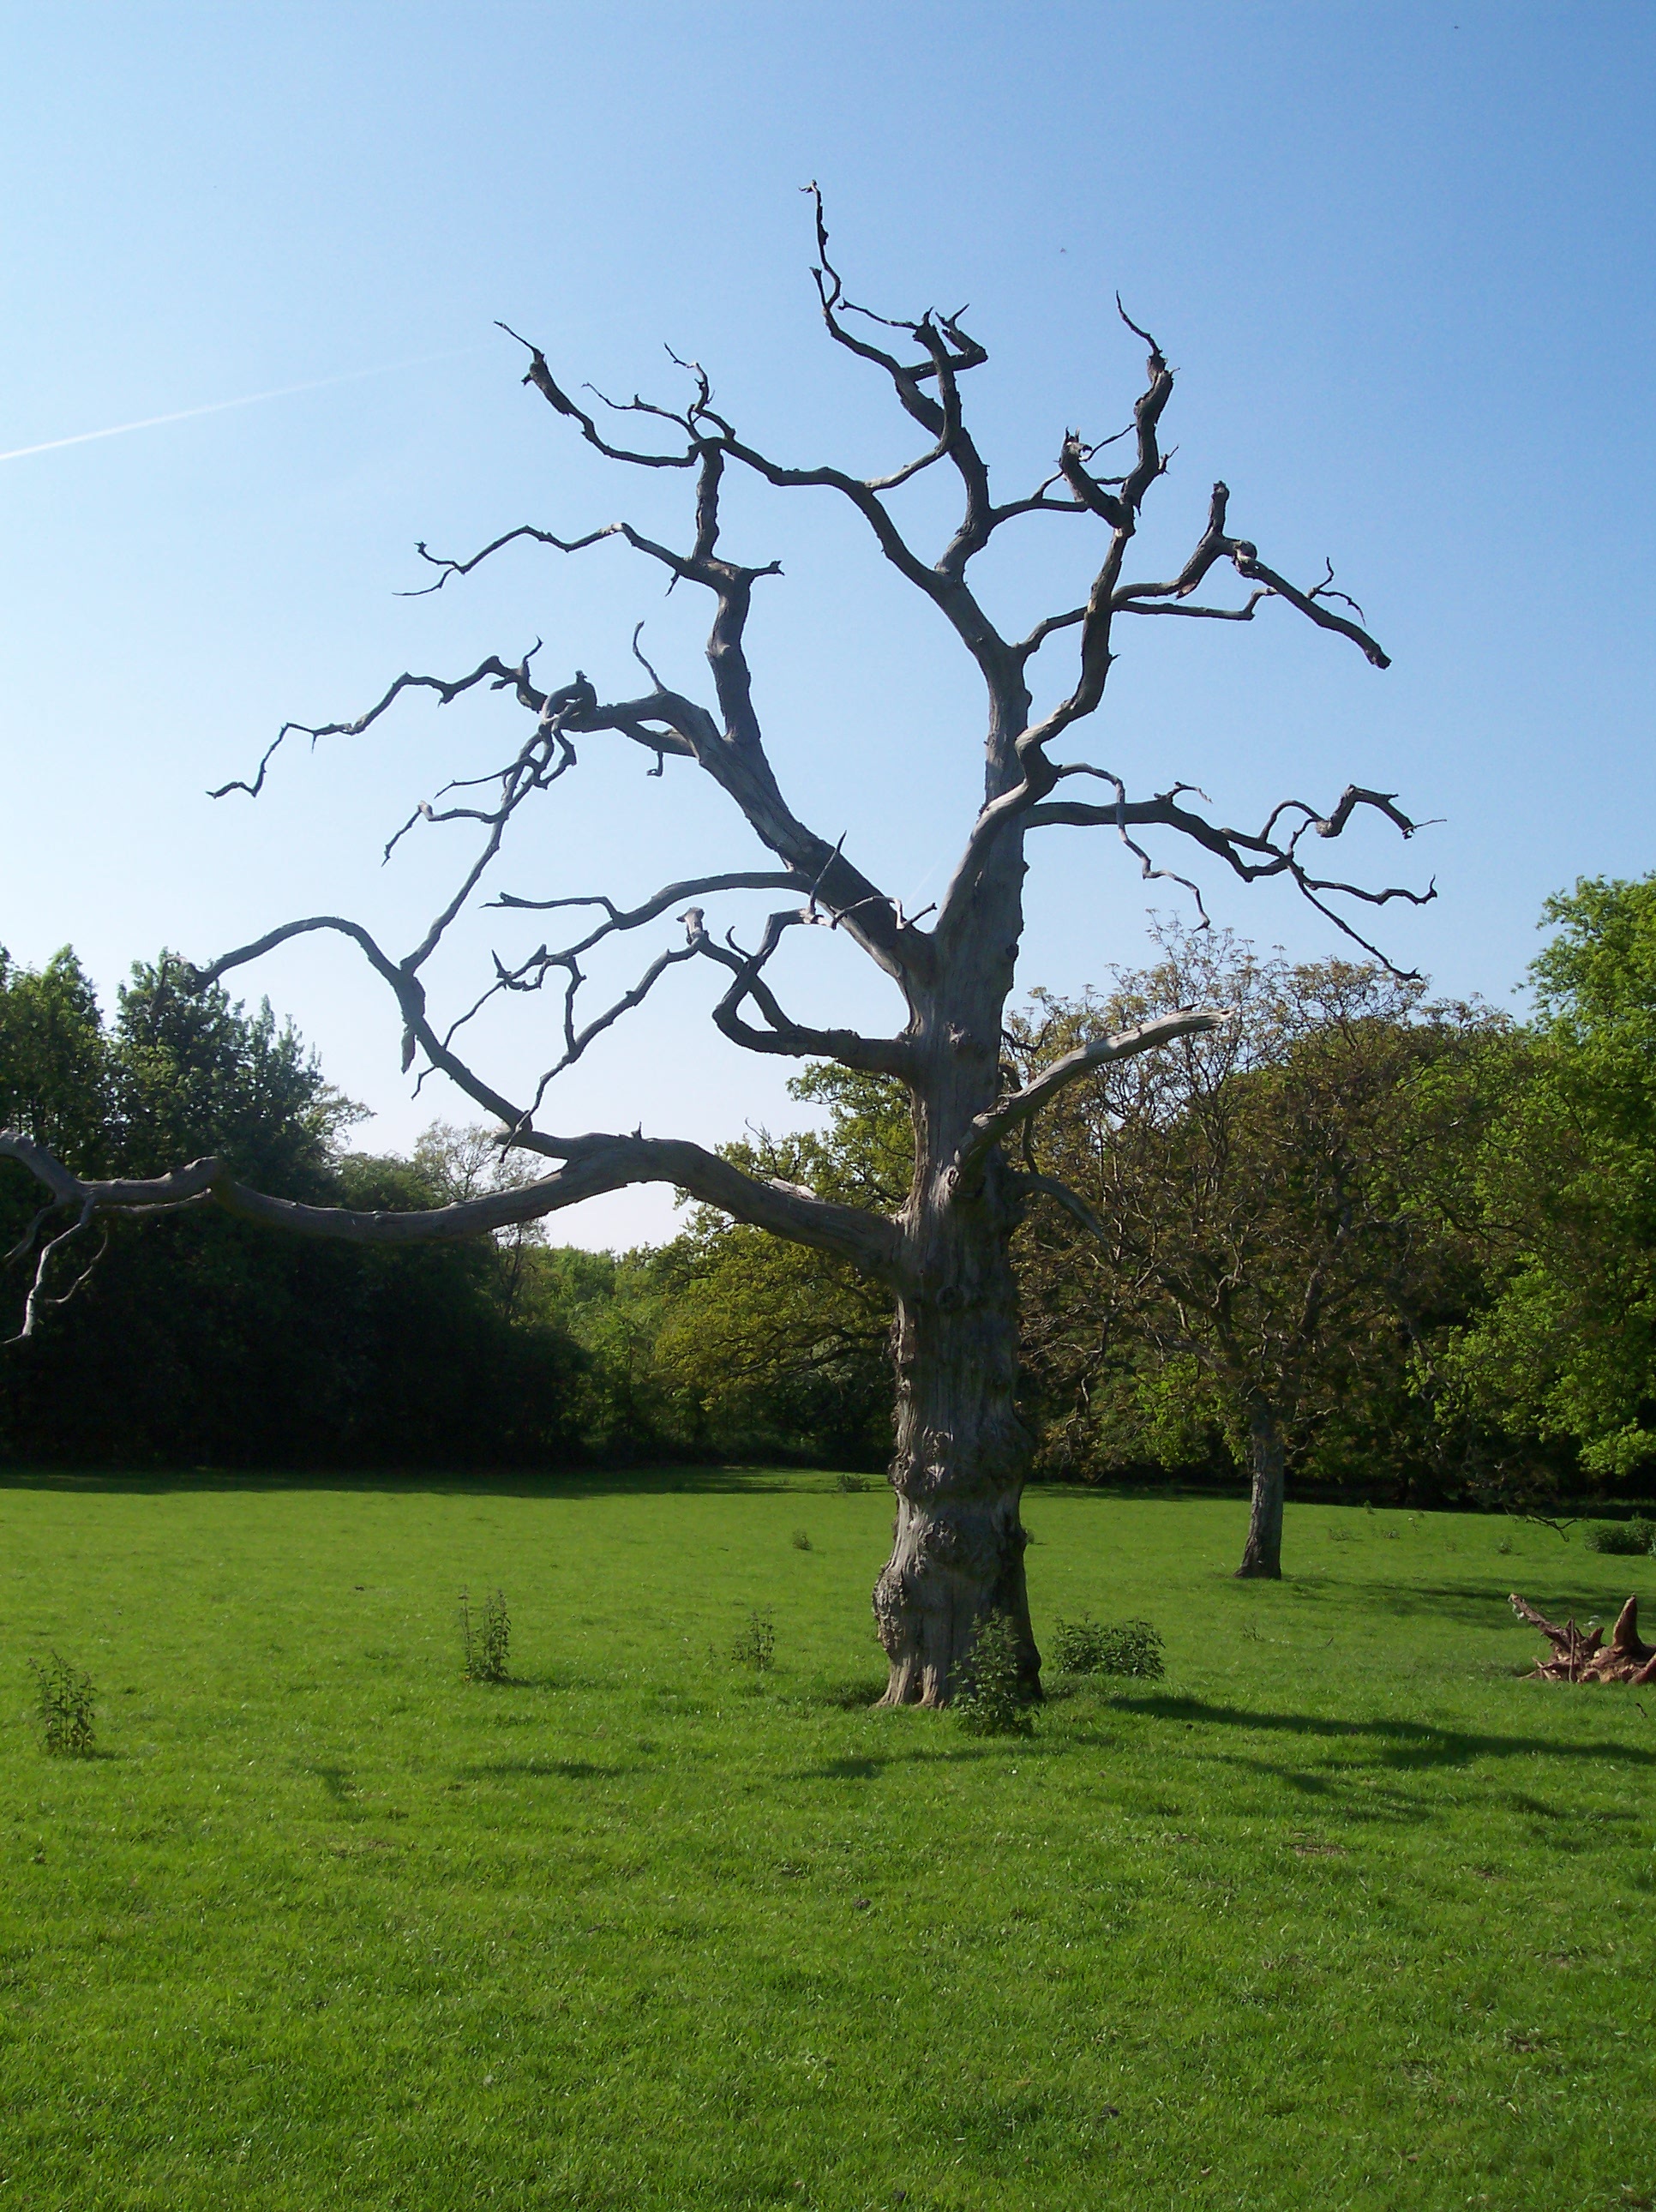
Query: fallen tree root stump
1577	1657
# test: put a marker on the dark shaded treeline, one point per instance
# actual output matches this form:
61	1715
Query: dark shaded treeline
1360	1241
199	1340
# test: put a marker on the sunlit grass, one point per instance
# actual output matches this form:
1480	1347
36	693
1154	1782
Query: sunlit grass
1339	1913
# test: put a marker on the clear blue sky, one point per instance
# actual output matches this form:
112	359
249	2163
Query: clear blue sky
1401	256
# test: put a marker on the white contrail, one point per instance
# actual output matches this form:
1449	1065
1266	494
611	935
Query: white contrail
218	406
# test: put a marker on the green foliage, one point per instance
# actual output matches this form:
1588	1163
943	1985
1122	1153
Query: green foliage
801	1539
1631	1538
1412	1242
194	1074
754	1644
64	1700
614	1309
1098	1647
993	1702
55	1071
1265	1278
748	1344
849	1484
1565	1190
615	1893
485	1644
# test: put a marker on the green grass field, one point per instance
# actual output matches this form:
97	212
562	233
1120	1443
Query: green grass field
1341	1913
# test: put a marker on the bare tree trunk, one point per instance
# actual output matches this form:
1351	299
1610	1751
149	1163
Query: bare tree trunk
962	1457
962	1450
1262	1555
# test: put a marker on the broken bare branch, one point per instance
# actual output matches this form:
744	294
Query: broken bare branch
1251	854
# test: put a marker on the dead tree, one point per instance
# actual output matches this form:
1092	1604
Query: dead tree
962	1449
1578	1656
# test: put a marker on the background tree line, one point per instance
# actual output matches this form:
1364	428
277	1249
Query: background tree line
1358	1238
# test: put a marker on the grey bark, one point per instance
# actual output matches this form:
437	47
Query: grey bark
963	1450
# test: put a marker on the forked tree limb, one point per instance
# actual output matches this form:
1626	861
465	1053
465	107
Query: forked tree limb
1250	854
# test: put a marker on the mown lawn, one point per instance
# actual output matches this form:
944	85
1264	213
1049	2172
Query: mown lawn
1342	1913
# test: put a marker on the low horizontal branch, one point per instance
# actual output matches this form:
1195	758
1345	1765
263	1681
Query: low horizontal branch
592	1166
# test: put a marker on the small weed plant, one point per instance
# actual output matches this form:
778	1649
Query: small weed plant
1102	1647
755	1645
993	1703
1631	1538
801	1540
485	1641
849	1484
64	1699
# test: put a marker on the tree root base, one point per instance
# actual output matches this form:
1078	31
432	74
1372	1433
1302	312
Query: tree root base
1578	1657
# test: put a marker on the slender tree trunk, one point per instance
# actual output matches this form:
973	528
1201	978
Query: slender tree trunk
1262	1555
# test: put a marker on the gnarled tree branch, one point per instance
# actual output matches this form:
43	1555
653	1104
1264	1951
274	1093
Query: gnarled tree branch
592	1166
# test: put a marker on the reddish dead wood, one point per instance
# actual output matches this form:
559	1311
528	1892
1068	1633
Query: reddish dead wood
1578	1657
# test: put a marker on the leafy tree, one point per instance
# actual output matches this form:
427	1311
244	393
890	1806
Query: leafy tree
615	1307
54	1065
1565	1192
1226	1255
194	1074
774	1343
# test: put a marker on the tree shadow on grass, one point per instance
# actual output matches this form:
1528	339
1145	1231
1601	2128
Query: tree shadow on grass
849	1695
1474	1605
1398	1743
443	1482
1023	1748
542	1770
